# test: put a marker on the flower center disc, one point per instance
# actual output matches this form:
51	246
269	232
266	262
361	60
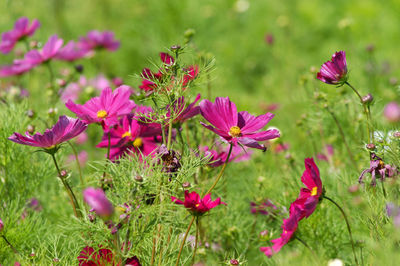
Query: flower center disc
126	134
137	143
235	132
101	114
314	191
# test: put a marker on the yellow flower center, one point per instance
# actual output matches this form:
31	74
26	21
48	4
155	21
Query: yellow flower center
197	205
101	114
235	132
137	143
314	191
126	134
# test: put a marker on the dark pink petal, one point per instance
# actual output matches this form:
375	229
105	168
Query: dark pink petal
249	123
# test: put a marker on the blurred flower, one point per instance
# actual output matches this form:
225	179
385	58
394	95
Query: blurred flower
334	71
335	262
82	138
218	156
97	200
234	262
21	30
196	205
71	92
265	208
392	112
65	129
326	154
103	256
117	81
393	210
71	52
32	204
378	168
281	147
98	40
1	225
234	127
82	158
130	136
269	39
104	109
148	78
269	107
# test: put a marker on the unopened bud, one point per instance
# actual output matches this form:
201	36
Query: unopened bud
63	173
56	260
393	81
61	82
79	68
30	129
139	178
367	98
33	44
353	188
52	111
186	185
264	233
189	33
175	47
1	225
396	134
30	113
370	48
234	262
370	146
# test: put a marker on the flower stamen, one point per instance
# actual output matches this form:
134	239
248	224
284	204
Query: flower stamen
102	114
235	132
137	143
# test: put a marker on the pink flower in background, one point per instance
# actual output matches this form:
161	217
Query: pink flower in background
82	158
326	154
197	205
236	127
392	210
97	200
71	52
269	107
71	92
281	147
392	112
269	39
105	109
18	67
334	71
65	129
117	81
149	79
218	156
37	57
1	225
132	137
98	40
21	30
181	113
82	138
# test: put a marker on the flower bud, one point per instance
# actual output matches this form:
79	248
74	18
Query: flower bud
186	185
61	82
30	113
189	33
269	39
63	173
392	112
396	134
117	81
370	146
30	129
393	81
367	98
139	178
175	47
33	44
353	188
79	68
234	262
52	111
97	200
370	48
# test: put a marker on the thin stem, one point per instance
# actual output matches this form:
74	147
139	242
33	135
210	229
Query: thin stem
221	172
196	240
348	226
108	158
77	162
169	133
184	240
306	245
383	189
153	252
355	91
71	194
10	245
343	138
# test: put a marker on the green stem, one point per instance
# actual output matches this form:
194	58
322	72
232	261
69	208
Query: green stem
196	240
184	240
169	134
108	158
348	227
10	245
306	245
77	162
383	189
222	171
343	138
71	194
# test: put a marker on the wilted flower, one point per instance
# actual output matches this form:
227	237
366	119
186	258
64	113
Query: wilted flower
98	40
334	71
236	127
97	200
105	109
377	168
65	129
196	205
170	159
21	30
392	112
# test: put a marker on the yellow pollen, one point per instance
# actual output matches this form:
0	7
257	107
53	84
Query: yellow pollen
197	205
126	134
137	143
314	191
235	132
101	114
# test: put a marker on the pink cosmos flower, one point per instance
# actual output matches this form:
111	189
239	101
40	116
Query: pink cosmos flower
218	156
1	225
18	67
334	71
82	158
97	200
236	127
132	137
167	59
103	257
37	57
281	147
65	129
71	52
181	113
326	154
98	40
191	74
21	30
105	109
148	80
392	112
197	205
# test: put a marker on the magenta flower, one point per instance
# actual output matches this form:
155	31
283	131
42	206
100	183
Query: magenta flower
105	109
18	67
326	154
98	40
236	127
1	225
190	74
97	200
102	257
181	113
49	51
71	52
392	112
149	80
167	59
65	129
195	204
21	30
334	71
131	137
378	168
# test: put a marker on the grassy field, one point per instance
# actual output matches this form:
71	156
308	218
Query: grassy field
254	74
